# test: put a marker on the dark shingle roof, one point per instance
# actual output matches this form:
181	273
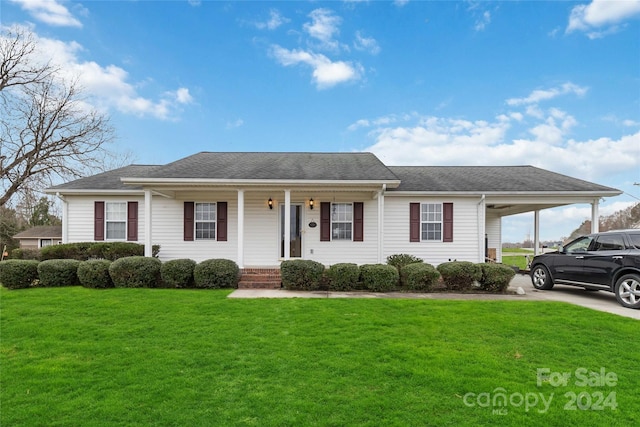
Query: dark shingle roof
276	166
489	179
41	232
109	180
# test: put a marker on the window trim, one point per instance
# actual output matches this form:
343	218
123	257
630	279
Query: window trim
351	234
440	222
213	208
107	221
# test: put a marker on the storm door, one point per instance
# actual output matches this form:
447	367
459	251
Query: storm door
295	236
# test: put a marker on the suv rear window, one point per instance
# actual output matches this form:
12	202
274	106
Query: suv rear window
608	242
635	239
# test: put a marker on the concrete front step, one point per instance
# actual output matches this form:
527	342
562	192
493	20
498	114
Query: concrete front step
260	278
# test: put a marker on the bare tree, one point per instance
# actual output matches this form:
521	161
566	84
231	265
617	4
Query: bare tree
47	129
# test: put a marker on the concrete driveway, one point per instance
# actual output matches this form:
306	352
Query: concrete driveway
598	300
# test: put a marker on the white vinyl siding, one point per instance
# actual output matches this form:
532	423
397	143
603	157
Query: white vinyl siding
465	227
80	215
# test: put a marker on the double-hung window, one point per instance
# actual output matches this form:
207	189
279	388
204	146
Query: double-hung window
116	220
341	221
431	221
205	221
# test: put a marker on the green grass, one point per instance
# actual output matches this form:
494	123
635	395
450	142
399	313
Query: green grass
144	357
515	260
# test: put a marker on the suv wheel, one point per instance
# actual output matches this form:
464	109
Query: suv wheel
540	278
627	291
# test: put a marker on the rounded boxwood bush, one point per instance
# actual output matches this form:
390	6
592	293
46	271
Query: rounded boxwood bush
379	277
95	274
178	273
495	277
419	276
400	260
301	274
135	272
18	273
54	273
216	273
459	275
343	277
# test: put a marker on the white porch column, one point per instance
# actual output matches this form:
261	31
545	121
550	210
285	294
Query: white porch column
536	232
595	216
148	234
287	224
65	219
482	228
381	225
240	257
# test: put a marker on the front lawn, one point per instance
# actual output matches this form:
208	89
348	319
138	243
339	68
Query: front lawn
83	357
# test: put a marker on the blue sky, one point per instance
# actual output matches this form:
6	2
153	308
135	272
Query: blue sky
550	84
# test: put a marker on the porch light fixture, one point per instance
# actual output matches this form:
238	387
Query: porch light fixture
270	202
311	203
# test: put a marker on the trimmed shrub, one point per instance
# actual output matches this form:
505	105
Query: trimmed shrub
495	277
94	273
79	251
216	273
25	253
178	273
18	273
135	272
459	275
400	260
83	251
419	276
54	273
301	274
343	277
379	277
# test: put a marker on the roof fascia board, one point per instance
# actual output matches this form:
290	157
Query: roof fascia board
488	194
80	192
165	182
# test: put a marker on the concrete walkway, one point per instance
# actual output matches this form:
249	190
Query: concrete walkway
600	300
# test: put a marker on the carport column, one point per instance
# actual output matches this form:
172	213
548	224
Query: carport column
595	216
536	232
287	224
240	257
148	237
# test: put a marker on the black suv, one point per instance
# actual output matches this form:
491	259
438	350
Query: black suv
607	261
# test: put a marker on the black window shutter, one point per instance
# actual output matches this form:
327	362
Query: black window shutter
358	221
325	221
414	222
98	221
189	208
221	232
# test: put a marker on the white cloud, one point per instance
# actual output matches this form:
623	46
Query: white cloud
601	17
275	20
483	21
546	94
323	27
368	44
400	3
235	124
108	86
326	73
50	12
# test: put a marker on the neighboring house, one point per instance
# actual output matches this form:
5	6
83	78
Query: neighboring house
39	237
261	208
